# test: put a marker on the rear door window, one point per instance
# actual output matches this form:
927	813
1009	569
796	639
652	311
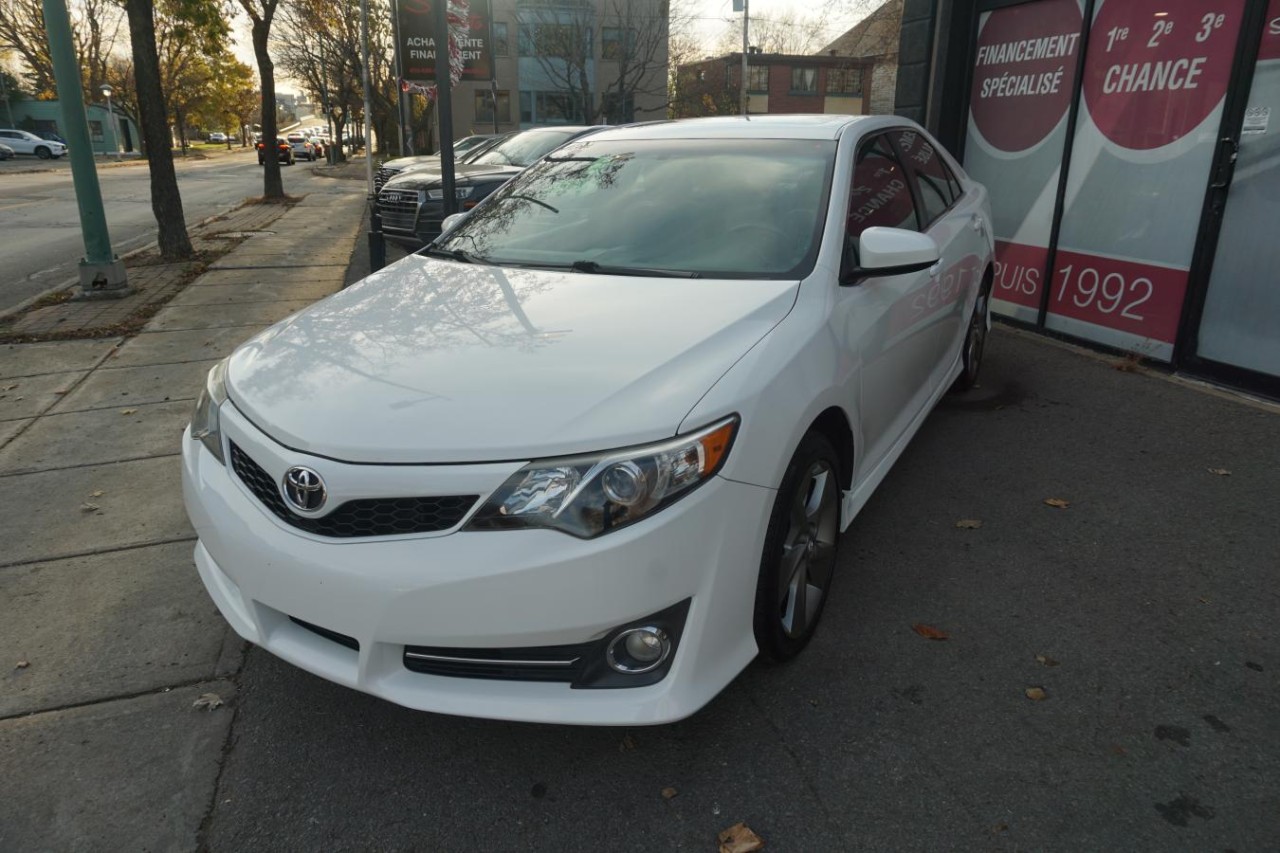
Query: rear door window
936	187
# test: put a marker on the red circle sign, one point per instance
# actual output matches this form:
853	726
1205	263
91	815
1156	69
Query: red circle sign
1024	70
1157	68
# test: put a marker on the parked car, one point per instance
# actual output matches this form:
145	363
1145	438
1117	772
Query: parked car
51	136
411	204
283	149
589	453
6	153
318	146
399	165
217	137
302	147
25	142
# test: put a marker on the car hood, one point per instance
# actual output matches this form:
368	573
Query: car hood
429	176
410	162
437	361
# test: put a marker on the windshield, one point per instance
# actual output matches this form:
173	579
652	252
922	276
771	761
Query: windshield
523	148
713	207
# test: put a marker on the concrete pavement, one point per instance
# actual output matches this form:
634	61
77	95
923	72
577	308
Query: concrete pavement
107	635
1145	609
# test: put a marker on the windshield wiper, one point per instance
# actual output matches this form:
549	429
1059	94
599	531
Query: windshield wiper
534	200
461	255
604	269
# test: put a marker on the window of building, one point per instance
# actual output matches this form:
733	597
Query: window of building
757	78
501	47
617	42
95	131
549	39
549	108
619	108
844	81
484	106
804	80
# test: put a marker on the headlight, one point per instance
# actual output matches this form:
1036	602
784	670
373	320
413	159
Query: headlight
204	420
590	495
458	192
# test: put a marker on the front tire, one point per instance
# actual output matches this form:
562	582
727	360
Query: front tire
800	547
43	152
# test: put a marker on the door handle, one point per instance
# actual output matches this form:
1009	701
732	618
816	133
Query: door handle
977	223
1228	153
935	270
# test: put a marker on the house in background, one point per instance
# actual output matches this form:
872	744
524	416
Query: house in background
856	74
106	136
875	37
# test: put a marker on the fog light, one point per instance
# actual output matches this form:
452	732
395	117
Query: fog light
638	650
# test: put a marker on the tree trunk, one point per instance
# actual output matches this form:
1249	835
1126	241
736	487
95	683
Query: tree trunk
166	201
272	183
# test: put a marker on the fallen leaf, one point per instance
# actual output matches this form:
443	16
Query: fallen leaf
1000	827
88	507
22	664
1045	660
668	793
1058	502
11	387
1204	600
207	700
1116	749
627	744
929	632
739	839
968	524
127	411
1221	472
97	494
1036	694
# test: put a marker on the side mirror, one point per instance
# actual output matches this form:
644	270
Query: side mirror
894	251
452	221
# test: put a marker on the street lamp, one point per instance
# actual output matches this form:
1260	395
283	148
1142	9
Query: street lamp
115	129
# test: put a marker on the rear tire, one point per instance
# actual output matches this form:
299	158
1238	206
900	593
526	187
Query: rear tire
800	547
975	341
43	152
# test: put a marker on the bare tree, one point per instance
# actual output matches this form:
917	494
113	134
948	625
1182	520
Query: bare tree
95	28
262	14
631	35
319	45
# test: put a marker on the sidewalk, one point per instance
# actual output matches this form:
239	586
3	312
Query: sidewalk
108	637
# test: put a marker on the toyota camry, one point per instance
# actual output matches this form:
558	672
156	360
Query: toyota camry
589	453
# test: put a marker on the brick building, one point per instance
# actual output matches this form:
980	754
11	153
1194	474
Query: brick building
776	83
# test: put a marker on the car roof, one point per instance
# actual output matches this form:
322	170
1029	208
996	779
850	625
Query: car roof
800	126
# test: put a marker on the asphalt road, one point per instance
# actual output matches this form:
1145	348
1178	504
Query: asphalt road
1150	599
40	240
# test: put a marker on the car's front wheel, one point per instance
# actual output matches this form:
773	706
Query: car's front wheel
800	547
43	152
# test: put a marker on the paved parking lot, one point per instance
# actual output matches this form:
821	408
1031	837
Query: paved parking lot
1145	610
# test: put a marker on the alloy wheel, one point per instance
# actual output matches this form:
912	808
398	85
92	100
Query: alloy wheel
808	551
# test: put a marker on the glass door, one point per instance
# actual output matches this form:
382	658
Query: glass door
1240	323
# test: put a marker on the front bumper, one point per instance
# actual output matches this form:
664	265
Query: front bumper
501	589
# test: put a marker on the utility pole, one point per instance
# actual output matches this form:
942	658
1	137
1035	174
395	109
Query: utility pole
404	115
742	92
102	274
368	108
444	103
4	93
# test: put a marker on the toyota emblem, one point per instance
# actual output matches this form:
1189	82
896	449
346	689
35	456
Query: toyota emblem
304	489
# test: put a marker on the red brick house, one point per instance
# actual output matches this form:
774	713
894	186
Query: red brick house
776	83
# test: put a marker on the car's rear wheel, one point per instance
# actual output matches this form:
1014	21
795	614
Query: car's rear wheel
975	341
800	546
43	152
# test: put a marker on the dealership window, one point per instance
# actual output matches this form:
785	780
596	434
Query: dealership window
549	108
617	42
804	80
484	106
757	78
844	81
95	131
501	47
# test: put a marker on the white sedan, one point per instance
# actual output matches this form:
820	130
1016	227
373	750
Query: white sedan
588	454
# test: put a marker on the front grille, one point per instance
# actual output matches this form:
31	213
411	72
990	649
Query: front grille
384	174
399	209
361	517
540	663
